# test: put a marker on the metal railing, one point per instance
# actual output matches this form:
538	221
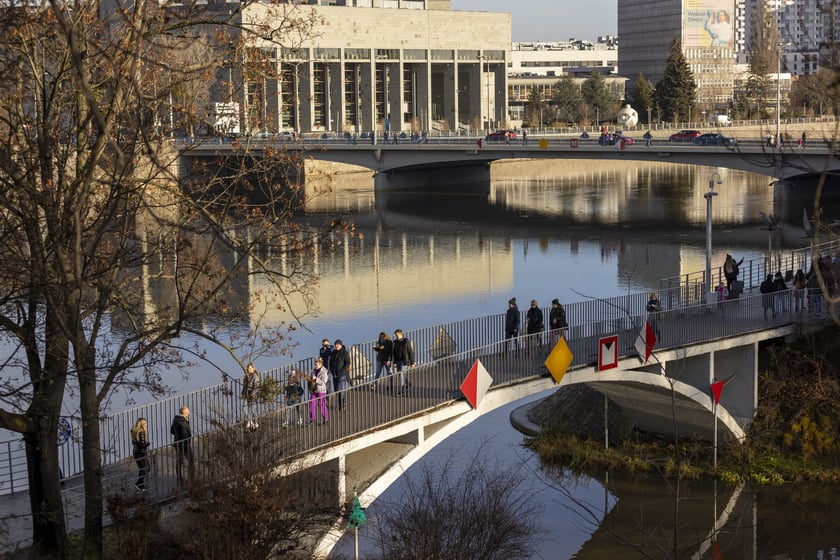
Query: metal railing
436	383
221	404
753	272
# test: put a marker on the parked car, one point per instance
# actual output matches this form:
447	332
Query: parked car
714	139
612	138
500	135
684	136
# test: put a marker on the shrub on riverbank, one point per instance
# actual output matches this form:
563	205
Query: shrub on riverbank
795	435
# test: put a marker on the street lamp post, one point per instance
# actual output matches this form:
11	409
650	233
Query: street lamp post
779	91
714	179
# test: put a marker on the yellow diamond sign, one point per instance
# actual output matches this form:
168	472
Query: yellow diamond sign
559	360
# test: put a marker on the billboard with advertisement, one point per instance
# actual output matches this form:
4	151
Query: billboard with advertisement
708	23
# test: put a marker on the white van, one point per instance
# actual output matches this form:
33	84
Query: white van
720	120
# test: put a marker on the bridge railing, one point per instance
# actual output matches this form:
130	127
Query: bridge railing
753	272
589	318
289	432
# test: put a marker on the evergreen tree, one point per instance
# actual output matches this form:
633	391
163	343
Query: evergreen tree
760	89
595	92
676	92
641	98
535	109
567	99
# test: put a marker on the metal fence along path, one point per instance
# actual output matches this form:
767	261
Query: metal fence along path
444	355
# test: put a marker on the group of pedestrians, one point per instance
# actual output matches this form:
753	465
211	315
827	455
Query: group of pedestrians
534	323
393	356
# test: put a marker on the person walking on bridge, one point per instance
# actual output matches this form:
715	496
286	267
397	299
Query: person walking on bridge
557	323
340	369
140	449
534	324
384	355
731	270
766	288
318	392
403	358
182	437
511	324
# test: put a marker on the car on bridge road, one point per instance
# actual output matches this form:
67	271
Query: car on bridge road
684	136
714	139
500	135
613	138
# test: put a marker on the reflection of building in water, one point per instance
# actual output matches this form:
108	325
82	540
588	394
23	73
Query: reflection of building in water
615	193
393	268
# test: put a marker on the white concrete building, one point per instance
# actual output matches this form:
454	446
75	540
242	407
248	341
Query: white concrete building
563	57
396	65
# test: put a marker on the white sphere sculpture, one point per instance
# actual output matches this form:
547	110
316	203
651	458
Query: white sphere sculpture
628	117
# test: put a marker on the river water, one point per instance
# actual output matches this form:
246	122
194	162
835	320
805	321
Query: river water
567	230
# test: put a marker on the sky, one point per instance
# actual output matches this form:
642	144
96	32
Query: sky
551	20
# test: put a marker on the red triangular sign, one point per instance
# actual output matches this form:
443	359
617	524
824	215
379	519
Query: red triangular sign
476	384
717	389
645	342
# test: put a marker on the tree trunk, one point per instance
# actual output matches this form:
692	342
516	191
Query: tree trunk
49	536
92	461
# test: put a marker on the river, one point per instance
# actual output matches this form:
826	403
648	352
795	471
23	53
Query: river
566	230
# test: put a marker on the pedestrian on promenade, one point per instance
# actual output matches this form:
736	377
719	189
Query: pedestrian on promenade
654	310
250	390
182	438
318	392
403	358
648	138
557	324
384	356
766	288
325	353
140	449
524	137
803	139
800	284
814	293
780	287
511	324
769	139
731	269
534	324
340	369
293	396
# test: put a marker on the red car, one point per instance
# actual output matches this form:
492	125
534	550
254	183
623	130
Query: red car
684	136
500	135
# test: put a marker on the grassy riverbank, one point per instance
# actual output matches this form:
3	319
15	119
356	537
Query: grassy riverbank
794	437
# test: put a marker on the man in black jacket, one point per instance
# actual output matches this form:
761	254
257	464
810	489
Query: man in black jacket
403	358
340	369
511	323
534	324
182	436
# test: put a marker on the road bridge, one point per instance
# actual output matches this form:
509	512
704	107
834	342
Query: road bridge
783	163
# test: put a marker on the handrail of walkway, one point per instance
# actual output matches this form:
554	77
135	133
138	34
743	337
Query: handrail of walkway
587	319
752	273
280	438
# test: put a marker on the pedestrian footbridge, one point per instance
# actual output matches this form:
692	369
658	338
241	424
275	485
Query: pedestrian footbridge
380	433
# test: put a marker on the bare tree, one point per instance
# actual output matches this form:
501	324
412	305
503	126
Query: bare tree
95	211
471	512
